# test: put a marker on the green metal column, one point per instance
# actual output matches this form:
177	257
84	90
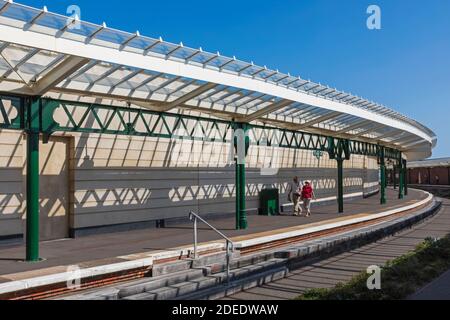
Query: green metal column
241	215
32	223
394	170
339	152
400	176
383	177
237	186
340	163
242	190
405	178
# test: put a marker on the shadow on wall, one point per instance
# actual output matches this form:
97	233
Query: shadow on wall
116	179
126	187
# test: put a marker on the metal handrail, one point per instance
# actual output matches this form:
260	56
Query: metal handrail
229	245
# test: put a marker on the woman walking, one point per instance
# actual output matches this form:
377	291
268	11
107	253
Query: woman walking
307	195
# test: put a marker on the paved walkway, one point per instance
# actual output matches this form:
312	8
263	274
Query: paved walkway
105	248
341	268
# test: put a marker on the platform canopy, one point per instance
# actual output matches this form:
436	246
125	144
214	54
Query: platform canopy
430	163
46	54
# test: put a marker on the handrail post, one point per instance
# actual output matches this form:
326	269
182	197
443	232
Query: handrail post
228	243
228	261
195	237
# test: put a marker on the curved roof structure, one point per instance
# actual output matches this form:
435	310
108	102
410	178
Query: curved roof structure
43	53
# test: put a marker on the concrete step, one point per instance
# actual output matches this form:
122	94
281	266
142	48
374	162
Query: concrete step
238	285
186	288
239	262
175	290
169	280
171	267
135	287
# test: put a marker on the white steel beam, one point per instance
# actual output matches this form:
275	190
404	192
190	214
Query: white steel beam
58	74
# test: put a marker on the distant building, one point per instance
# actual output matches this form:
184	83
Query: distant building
429	172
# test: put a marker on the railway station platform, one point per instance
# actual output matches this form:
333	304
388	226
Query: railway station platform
139	250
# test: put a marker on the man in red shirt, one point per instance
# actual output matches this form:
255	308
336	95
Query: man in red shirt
307	195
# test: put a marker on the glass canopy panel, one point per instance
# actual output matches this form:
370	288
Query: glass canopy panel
183	53
236	66
138	79
19	12
113	36
255	104
172	86
276	77
208	95
247	98
264	74
218	61
202	57
83	28
141	43
288	81
163	48
253	71
36	64
160	82
338	119
53	21
297	108
116	78
287	108
143	86
3	65
302	112
93	74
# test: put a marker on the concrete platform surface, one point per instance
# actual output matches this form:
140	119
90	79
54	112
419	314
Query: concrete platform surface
108	248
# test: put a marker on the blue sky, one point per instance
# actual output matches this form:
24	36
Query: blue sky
405	65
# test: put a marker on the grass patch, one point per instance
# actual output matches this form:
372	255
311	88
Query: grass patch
400	277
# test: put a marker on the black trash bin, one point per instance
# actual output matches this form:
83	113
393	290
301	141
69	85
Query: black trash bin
269	202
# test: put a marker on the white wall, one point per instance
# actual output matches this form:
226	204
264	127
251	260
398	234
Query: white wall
118	179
